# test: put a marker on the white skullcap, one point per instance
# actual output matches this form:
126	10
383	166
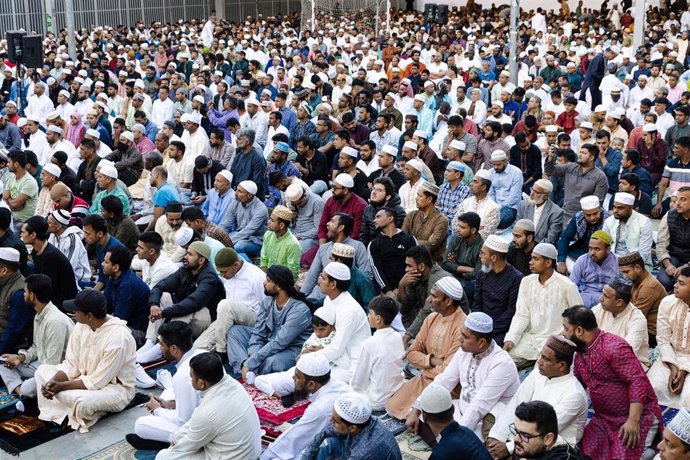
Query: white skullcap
680	425
524	224
21	122
327	314
61	216
33	118
498	155
649	128
313	364
419	98
93	132
52	169
624	198
479	322
218	73
54	129
428	83
195	118
9	255
184	236
249	186
199	98
185	118
589	202
252	101
127	135
390	150
458	145
345	180
551	129
600	108
353	408
484	174
435	399
15	104
587	125
416	164
350	151
498	104
642	77
496	243
308	85
338	271
53	115
410	145
139	84
545	185
65	93
450	286
421	134
108	170
139	127
227	175
294	192
614	114
99	83
547	250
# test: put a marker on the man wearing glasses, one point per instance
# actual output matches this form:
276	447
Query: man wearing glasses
535	432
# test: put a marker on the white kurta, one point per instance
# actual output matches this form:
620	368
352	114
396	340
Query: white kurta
104	361
631	325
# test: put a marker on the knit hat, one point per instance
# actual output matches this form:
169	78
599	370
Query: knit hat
602	236
313	364
61	216
343	250
353	408
450	286
226	257
202	249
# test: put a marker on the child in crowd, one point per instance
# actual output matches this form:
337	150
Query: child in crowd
379	371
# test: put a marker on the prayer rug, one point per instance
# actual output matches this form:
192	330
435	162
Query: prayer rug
271	410
413	447
394	425
7	399
122	450
23	431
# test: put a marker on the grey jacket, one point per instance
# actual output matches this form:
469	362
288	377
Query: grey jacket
550	223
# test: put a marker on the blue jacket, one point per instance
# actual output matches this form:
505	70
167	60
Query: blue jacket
375	441
127	298
459	442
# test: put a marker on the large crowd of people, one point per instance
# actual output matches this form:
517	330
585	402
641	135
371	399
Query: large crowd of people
380	223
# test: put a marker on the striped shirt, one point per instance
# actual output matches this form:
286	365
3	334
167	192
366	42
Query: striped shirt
678	174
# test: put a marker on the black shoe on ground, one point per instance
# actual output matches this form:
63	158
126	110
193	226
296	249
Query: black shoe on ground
145	444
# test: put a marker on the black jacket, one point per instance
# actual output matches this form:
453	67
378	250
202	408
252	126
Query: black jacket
367	230
394	175
11	240
198	184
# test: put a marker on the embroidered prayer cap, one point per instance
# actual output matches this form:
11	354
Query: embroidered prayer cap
306	107
498	155
9	255
622	285
108	170
589	202
53	115
680	425
410	145
55	129
343	250
283	147
350	152
602	236
183	236
294	192
547	250
52	169
496	243
457	165
545	185
627	199
479	322
127	135
249	186
61	216
630	258
203	249
524	224
338	271
227	175
551	129
420	134
353	408
389	149
283	213
87	301
561	345
313	364
435	399
458	145
226	257
450	286
345	180
429	188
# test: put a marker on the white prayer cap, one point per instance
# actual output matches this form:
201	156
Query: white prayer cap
15	104
183	236
642	77
545	185
410	145
199	98
649	128
139	84
9	255
421	134
428	84
551	129
308	85
313	365
458	145
294	192
345	180
389	149
416	164
350	151
33	118
83	73
53	115
338	271
613	114
680	425
589	202
547	250
226	174
61	216
55	129
327	314
99	83
524	224
498	155
450	286
21	122
252	101
587	125
108	170
600	108
53	169
93	132
479	322
435	399
498	104
353	408
249	186
496	243
419	98
195	118
218	73
185	118
139	127
127	135
102	104
624	198
484	174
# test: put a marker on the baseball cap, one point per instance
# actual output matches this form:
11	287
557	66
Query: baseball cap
87	301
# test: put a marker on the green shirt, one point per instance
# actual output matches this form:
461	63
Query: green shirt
96	205
285	251
25	186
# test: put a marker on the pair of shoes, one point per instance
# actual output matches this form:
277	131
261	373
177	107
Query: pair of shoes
143	380
164	379
140	443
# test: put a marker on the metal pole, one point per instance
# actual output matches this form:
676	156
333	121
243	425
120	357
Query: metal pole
313	16
69	22
514	14
50	18
388	17
640	22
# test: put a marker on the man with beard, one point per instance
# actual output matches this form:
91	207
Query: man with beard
368	162
283	324
128	160
347	165
480	203
426	223
313	380
249	164
22	194
167	228
86	174
624	402
575	238
546	216
165	194
453	191
197	291
520	251
553	384
246	218
307	207
10	136
492	142
280	247
386	162
343	200
382	195
280	163
388	250
593	270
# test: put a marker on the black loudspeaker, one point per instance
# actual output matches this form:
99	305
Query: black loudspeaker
430	12
441	14
33	51
15	45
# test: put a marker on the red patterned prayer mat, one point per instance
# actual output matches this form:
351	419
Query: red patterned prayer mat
271	410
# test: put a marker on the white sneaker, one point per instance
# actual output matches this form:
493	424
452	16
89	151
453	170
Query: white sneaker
143	380
19	406
164	379
251	377
150	355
